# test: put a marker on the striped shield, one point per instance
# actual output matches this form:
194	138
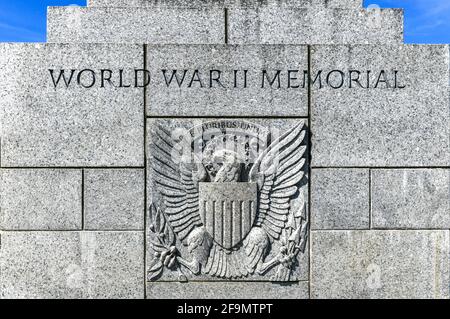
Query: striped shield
228	211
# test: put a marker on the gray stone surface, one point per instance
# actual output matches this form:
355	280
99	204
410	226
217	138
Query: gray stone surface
227	3
157	25
75	126
299	205
43	199
227	100
380	264
227	290
340	199
272	25
41	265
114	199
411	198
382	127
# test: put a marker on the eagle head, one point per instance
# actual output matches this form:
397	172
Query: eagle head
230	170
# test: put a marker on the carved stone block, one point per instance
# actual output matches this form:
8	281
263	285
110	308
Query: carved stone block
388	119
227	290
40	199
159	25
273	25
224	80
81	124
68	265
226	3
228	200
380	264
114	199
411	198
340	199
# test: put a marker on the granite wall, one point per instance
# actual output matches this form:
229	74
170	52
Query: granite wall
77	178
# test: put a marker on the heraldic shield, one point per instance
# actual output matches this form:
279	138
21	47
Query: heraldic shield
228	211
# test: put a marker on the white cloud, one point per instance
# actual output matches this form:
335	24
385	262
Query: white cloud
21	31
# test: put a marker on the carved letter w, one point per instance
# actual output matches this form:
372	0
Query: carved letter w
174	74
62	75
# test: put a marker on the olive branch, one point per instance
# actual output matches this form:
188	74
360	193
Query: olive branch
163	244
294	242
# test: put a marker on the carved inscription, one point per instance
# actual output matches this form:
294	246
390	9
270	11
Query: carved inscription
229	79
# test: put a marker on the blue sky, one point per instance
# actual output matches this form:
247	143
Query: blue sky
426	21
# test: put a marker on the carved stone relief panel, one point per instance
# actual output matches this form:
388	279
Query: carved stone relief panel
227	200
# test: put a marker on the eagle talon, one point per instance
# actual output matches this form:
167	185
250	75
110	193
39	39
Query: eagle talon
169	257
267	266
192	266
288	260
283	258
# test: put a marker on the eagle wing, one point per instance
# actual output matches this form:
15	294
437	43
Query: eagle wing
177	173
278	172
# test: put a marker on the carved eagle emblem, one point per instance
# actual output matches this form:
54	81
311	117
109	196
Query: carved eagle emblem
226	196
